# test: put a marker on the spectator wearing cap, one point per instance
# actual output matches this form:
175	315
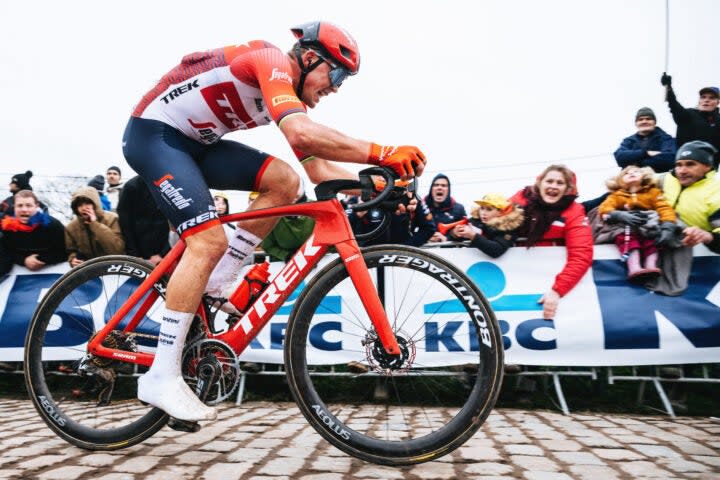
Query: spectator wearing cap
31	237
20	181
94	232
493	225
443	207
694	191
98	183
701	123
113	176
144	227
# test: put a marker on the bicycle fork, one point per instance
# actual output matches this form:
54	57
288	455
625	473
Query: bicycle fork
360	276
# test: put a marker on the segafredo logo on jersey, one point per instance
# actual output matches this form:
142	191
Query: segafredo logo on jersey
280	75
172	193
282	285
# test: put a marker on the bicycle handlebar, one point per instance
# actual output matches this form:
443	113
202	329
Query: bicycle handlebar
387	199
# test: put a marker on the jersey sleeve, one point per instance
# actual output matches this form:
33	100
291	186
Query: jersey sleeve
268	68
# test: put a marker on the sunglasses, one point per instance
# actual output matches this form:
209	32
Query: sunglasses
337	73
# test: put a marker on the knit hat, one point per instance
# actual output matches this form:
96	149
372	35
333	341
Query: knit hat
22	180
98	181
697	150
711	90
494	200
115	169
645	112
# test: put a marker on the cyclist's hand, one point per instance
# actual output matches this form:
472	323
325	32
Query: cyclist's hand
407	161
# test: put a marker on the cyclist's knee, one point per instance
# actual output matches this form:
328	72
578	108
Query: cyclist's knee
210	243
280	181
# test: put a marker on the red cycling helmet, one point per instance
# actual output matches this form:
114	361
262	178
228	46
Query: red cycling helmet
333	45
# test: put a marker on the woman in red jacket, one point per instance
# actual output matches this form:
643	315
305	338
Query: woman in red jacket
552	217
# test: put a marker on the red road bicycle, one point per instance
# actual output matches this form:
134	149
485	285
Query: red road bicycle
391	353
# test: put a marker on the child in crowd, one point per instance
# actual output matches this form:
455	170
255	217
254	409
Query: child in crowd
645	219
493	225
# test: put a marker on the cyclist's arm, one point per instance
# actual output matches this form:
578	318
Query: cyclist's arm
321	170
317	140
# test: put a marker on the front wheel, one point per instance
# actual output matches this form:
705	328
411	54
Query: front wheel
395	410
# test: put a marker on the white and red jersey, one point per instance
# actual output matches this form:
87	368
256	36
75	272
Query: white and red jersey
218	91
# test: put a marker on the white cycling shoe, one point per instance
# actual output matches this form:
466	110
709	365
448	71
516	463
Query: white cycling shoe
174	397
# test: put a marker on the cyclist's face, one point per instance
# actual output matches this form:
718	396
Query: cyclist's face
317	84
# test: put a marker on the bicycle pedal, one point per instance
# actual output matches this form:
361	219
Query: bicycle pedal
183	425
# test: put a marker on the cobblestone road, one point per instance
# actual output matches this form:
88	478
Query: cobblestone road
273	441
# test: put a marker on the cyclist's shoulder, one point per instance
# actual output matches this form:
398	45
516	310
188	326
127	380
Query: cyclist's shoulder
256	50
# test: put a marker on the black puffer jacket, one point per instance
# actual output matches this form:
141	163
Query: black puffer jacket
692	124
143	225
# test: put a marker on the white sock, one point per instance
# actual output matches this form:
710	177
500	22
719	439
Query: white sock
163	386
171	341
238	253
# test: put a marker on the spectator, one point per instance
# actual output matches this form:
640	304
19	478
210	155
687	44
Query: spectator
20	181
93	232
114	186
694	191
701	123
31	237
633	196
144	227
552	217
409	225
443	207
222	205
649	147
493	225
98	183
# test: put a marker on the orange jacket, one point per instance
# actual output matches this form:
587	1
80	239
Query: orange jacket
649	198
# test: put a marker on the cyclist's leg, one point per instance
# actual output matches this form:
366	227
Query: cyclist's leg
229	164
165	160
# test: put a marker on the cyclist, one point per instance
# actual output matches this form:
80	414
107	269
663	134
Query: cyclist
173	140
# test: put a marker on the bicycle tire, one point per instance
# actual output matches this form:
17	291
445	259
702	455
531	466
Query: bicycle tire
79	301
415	424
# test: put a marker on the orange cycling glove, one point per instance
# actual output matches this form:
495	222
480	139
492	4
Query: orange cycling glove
404	160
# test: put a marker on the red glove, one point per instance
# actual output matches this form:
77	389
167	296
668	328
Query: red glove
406	161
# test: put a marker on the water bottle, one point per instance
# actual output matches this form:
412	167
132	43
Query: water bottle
252	285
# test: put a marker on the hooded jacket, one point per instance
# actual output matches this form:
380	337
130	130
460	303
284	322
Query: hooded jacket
499	233
95	239
648	197
449	210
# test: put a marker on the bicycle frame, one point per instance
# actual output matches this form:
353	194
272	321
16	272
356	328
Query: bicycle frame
331	229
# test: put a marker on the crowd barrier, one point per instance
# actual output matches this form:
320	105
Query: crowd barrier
603	322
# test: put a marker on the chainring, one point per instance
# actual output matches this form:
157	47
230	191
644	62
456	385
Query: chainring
230	376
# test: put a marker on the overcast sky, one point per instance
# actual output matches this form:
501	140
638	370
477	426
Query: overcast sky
492	91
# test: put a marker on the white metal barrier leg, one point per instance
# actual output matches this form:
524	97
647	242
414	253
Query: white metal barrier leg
241	389
663	397
560	395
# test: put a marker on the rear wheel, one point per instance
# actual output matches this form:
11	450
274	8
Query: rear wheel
89	401
386	409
